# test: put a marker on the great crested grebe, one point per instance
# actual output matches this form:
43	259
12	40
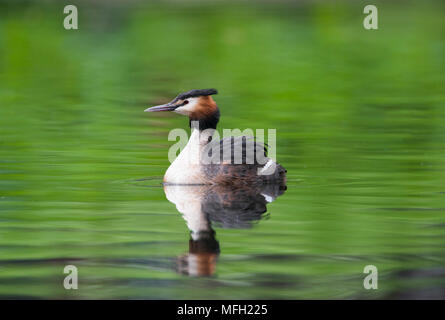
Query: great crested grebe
196	163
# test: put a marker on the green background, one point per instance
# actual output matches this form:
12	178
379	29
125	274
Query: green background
360	128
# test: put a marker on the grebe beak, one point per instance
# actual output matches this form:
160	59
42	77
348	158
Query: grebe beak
163	107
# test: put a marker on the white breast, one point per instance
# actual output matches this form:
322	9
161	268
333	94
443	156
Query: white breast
186	168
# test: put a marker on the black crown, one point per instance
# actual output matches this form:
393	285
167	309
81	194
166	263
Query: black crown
196	93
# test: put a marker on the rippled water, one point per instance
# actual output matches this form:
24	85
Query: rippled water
360	129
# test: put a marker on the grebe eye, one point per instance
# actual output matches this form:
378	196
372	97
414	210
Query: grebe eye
185	102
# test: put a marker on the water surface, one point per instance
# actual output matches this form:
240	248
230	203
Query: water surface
360	128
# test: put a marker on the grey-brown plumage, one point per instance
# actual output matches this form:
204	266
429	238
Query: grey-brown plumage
240	160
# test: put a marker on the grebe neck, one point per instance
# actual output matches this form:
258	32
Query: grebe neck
208	122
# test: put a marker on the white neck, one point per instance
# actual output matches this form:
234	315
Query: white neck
186	168
198	140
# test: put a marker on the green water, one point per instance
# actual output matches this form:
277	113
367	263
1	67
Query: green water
360	129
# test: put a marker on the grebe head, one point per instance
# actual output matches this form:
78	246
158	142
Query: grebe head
197	104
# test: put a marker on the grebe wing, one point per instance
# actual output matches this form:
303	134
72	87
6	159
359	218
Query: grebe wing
236	150
240	160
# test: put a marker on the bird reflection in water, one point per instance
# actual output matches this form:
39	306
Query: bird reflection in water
204	206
